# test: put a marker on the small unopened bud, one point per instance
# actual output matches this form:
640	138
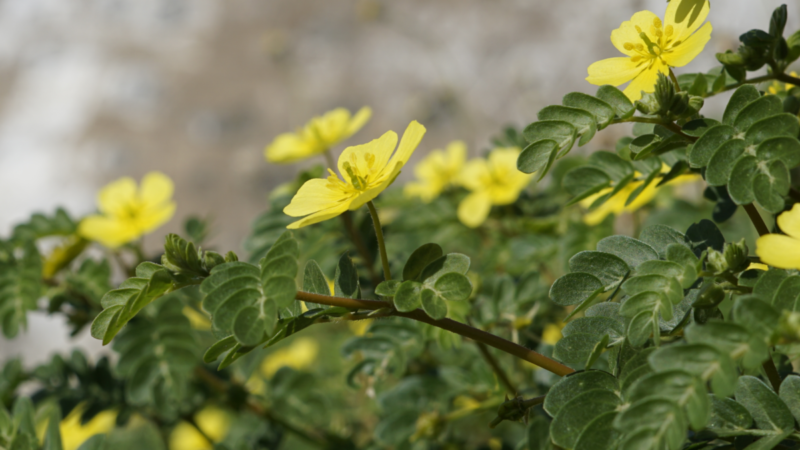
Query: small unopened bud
736	256
715	262
213	259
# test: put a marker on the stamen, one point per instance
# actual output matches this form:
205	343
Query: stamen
640	47
657	22
370	158
638	30
656	31
636	58
628	46
668	31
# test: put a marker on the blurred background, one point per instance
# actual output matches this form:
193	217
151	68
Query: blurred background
91	90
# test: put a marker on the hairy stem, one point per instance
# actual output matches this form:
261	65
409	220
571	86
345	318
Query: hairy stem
674	80
347	219
453	326
501	374
376	221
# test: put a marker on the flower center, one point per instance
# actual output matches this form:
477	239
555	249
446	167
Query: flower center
358	175
654	44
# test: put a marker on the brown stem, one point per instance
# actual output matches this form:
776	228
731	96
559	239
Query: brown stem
755	80
788	79
671	126
769	364
501	374
794	194
453	326
755	217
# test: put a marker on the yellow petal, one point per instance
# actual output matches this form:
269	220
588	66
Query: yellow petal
151	218
645	81
425	191
331	127
687	50
320	216
358	121
789	221
475	174
387	178
779	251
108	231
290	147
474	209
614	71
456	155
156	188
627	33
313	196
114	198
685	16
381	149
409	142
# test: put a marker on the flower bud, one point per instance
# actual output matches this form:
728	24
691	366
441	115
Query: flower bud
715	262
736	256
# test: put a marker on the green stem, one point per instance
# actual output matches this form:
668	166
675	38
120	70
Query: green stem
671	126
501	374
755	217
453	326
755	80
376	221
674	80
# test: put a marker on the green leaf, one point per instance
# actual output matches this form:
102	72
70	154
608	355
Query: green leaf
767	409
787	294
670	288
778	125
770	187
387	288
698	127
433	305
769	283
556	130
594	325
632	251
453	286
660	237
584	181
314	281
96	442
20	286
218	348
248	328
616	168
421	258
741	97
686	275
766	106
583	121
741	180
345	278
52	437
407	298
623	108
609	269
758	316
600	434
684	389
721	164
653	423
575	384
786	149
578	413
727	414
642	326
538	157
703	235
701	360
790	394
574	288
602	111
576	348
450	263
730	338
681	254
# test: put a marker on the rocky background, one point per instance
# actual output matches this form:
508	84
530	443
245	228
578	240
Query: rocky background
91	90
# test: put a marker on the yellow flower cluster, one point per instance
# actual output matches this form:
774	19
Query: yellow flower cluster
652	47
127	213
491	181
317	136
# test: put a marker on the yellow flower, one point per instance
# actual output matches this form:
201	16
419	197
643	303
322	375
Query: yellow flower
367	170
776	86
437	171
495	181
652	48
779	250
214	423
317	136
127	214
616	204
73	433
